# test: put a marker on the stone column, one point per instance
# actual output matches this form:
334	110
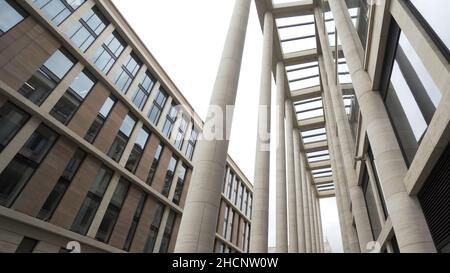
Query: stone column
299	193
407	217
345	140
349	234
312	220
319	221
281	200
292	202
305	195
260	214
198	225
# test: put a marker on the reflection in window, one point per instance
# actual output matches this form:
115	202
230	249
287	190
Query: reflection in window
169	176
155	163
10	15
154	228
143	92
180	184
137	151
158	105
121	141
12	119
109	52
100	120
128	72
58	10
168	232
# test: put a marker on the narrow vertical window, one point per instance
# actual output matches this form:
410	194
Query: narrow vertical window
12	119
107	55
169	176
158	105
170	120
138	150
128	72
121	141
10	15
180	184
154	228
142	93
155	163
100	120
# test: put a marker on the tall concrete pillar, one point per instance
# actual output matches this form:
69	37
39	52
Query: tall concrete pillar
359	207
305	195
292	200
299	193
407	217
198	225
319	219
349	236
281	195
312	220
260	214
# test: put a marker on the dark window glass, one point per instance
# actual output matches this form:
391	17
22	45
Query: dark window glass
167	232
73	97
112	212
154	228
121	141
27	245
192	143
58	10
180	184
128	72
109	52
169	176
138	150
45	79
372	211
92	201
170	120
15	176
155	164
134	224
87	30
181	134
158	105
61	187
12	119
250	203
143	92
10	15
100	120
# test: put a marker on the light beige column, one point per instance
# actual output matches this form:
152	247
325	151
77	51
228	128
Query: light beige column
349	234
299	193
407	218
316	222
292	200
305	195
319	226
260	214
311	214
198	225
345	140
281	195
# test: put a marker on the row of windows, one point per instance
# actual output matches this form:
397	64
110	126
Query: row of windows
243	230
237	193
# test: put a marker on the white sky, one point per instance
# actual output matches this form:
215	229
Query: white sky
187	38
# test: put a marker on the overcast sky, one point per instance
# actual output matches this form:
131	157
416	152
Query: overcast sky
187	38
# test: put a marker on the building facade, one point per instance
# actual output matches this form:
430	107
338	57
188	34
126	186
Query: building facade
97	143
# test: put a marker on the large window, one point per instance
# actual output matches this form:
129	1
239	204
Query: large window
158	105
112	212
180	184
128	72
87	29
168	232
143	92
92	201
134	224
58	10
73	97
19	171
154	228
12	119
372	210
47	77
169	176
192	143
109	52
411	96
179	138
98	123
10	15
138	150
121	141
155	163
61	187
170	120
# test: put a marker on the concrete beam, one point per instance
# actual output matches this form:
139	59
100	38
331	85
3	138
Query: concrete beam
323	180
299	57
297	8
327	194
320	165
306	93
311	124
316	146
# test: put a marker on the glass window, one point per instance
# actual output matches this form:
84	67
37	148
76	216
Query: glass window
181	134
87	30
158	105
229	225
18	172
10	15
192	143
109	52
372	211
134	224
180	184
143	92
170	120
58	10
154	228
112	212
128	72
411	98
122	138
100	120
69	103
167	232
61	187
92	201
27	245
169	176
138	150
12	119
45	79
155	164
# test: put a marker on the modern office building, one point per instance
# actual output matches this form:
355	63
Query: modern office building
96	141
362	114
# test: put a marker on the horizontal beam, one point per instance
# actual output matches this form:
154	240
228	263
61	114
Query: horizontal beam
316	146
319	165
327	194
323	180
306	94
311	124
300	57
297	8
